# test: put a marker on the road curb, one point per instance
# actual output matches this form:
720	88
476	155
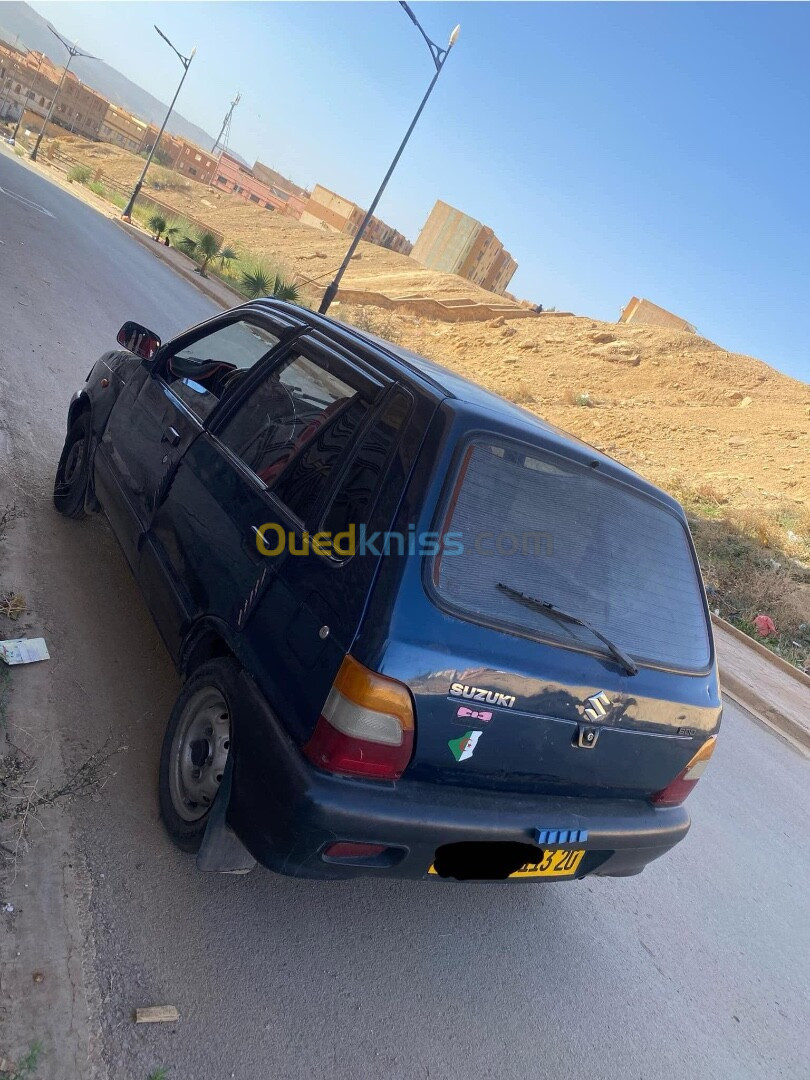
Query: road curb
738	685
764	651
214	291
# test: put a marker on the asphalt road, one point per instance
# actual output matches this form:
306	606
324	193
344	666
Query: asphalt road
699	967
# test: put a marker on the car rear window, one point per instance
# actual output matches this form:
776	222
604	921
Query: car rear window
564	533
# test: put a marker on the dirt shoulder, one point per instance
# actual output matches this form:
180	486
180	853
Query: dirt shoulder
47	971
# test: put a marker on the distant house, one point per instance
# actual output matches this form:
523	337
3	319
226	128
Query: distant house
325	209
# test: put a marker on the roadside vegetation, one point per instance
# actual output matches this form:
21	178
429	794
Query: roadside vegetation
161	179
79	174
755	563
23	1069
372	320
260	280
213	257
204	247
161	228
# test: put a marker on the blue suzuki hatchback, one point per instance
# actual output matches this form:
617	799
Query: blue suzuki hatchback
423	634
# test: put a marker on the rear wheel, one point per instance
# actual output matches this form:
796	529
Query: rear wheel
73	473
195	751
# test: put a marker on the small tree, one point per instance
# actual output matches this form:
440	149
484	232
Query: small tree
204	248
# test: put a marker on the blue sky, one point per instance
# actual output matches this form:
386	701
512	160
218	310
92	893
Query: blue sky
654	149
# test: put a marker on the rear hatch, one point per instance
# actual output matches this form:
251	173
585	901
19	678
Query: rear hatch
513	696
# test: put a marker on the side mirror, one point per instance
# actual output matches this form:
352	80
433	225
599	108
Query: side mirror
139	340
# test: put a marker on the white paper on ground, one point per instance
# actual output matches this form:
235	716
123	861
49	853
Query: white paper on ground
24	650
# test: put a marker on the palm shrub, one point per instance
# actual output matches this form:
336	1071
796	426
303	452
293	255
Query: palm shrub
259	280
157	223
284	289
204	248
176	231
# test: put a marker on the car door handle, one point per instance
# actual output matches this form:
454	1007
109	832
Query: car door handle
172	436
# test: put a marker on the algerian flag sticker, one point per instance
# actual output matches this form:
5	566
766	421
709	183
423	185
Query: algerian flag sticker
463	748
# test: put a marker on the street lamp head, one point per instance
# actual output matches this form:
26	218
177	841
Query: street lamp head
193	53
454	36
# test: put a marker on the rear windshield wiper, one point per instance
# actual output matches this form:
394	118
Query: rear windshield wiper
554	612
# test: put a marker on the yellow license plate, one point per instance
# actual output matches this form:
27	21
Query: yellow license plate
554	864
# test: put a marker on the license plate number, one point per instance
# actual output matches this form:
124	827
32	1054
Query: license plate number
554	864
557	863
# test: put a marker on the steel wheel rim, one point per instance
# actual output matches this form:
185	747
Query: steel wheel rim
73	461
199	752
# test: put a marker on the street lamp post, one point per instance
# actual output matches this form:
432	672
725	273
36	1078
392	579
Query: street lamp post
72	51
439	56
186	62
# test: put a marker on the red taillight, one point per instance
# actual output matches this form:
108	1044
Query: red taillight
684	783
366	726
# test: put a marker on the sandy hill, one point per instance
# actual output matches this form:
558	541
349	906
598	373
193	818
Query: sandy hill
299	248
674	406
679	409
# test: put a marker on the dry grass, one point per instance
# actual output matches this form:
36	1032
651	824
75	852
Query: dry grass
749	569
12	605
23	795
373	320
161	179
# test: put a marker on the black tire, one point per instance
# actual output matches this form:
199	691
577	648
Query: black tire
197	741
73	472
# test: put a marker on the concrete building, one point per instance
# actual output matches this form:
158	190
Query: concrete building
274	179
194	162
170	145
325	209
644	311
28	81
458	244
180	154
234	177
123	128
79	109
23	82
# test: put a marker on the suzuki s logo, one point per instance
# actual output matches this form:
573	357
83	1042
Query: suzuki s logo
598	706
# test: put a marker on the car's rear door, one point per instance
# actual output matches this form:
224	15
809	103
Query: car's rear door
243	499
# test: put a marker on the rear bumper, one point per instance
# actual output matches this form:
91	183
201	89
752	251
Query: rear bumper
286	812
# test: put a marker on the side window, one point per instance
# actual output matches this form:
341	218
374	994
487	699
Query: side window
205	370
298	425
361	484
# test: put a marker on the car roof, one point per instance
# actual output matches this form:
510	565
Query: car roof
447	384
442	378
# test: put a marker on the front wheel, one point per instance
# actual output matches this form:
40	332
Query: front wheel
195	750
73	472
